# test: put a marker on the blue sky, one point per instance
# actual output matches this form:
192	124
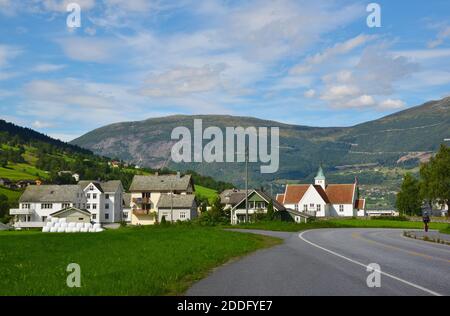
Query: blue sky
312	63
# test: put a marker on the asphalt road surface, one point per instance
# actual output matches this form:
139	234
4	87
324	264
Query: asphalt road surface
334	262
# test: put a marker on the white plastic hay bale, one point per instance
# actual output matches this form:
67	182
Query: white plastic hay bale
99	230
64	225
61	229
69	230
49	224
54	220
45	229
97	226
84	230
91	229
63	220
80	225
54	230
71	225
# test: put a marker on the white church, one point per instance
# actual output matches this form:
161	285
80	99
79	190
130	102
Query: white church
322	199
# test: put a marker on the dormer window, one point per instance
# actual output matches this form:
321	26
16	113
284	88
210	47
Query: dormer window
91	188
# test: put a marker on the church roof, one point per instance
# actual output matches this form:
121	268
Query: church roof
320	175
333	193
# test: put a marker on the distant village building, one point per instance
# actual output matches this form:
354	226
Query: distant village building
104	200
126	212
37	203
258	202
4	182
154	195
322	199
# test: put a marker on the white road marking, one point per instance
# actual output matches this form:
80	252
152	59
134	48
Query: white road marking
366	266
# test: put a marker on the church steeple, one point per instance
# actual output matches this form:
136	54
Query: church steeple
320	178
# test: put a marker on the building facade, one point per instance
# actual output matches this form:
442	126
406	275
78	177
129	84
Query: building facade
38	202
322	199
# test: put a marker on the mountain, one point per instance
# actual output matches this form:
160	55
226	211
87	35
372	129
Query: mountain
403	136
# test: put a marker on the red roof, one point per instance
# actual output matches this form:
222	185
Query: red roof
340	193
294	193
280	198
334	193
360	204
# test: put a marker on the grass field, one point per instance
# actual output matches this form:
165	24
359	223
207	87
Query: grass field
12	195
128	261
341	223
205	193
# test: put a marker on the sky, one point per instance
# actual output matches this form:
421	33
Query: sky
314	63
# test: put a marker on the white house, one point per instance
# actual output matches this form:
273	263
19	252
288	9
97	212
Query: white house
147	191
126	211
104	200
322	199
38	202
177	207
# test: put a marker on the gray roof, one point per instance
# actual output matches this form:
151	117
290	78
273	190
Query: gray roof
232	196
161	183
179	201
108	186
4	227
70	209
127	200
50	193
277	206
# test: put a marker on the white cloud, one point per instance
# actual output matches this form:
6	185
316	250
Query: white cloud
7	53
441	37
184	81
311	93
336	50
90	49
41	124
61	5
47	68
391	104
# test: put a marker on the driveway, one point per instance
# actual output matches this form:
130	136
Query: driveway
334	262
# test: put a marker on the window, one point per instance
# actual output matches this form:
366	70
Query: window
65	205
296	207
94	216
311	205
305	207
44	218
106	196
106	216
91	188
182	215
125	214
88	195
341	208
26	206
106	206
319	207
46	206
94	206
94	195
80	219
88	206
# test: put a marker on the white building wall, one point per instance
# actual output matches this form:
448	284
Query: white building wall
312	200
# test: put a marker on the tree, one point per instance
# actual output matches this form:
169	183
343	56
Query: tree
436	178
270	211
4	208
408	199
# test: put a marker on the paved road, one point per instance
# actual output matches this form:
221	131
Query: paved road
334	262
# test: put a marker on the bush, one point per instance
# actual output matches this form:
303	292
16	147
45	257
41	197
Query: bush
391	218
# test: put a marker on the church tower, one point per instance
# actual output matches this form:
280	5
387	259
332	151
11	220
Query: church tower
320	179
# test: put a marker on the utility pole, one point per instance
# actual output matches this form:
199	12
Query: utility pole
246	183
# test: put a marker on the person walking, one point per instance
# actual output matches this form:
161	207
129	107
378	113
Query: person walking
426	221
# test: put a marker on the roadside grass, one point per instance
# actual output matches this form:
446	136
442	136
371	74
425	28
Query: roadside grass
339	223
205	193
129	261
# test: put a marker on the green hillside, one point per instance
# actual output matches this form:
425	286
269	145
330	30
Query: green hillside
371	151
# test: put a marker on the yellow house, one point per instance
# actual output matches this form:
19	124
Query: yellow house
146	192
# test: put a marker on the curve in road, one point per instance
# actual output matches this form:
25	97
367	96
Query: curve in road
334	262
